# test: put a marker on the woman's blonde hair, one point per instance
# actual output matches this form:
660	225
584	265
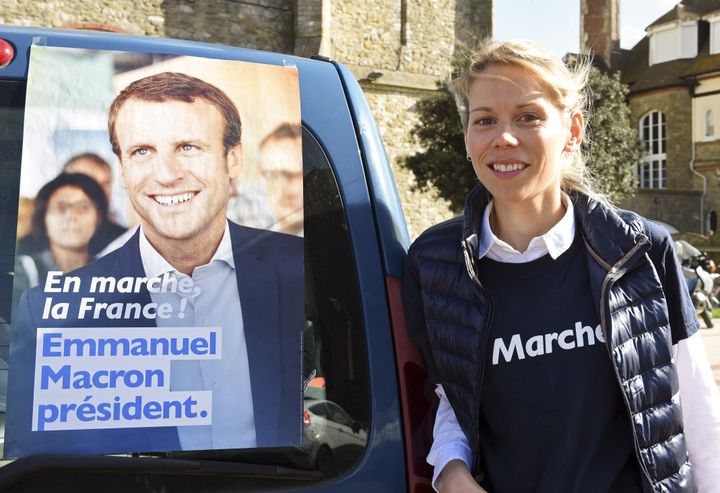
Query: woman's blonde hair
566	86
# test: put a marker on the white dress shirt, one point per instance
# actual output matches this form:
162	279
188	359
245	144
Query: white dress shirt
699	393
214	301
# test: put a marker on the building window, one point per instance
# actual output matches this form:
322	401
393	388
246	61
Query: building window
708	125
673	41
714	21
652	172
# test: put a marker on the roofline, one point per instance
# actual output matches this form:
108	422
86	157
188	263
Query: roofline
701	75
710	15
649	91
671	24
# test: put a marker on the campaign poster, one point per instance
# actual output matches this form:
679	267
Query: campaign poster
158	285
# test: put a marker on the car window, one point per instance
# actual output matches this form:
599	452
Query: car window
339	416
334	352
319	410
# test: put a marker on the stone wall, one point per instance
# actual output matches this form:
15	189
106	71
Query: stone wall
133	17
679	208
708	152
429	51
259	24
683	187
394	114
395	35
676	104
473	21
311	18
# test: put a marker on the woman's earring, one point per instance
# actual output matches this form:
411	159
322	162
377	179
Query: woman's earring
468	158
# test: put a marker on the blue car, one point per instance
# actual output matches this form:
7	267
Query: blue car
355	357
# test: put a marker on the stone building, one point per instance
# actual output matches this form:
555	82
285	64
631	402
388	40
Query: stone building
387	44
674	79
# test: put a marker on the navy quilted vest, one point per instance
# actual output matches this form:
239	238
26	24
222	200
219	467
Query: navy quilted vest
624	252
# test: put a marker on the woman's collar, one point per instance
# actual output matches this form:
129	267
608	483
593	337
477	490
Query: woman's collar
555	241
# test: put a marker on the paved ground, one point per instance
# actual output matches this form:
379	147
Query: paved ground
711	338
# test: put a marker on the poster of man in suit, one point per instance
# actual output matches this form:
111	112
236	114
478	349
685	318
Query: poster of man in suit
185	333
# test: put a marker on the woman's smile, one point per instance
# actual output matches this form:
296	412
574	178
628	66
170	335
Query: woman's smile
507	170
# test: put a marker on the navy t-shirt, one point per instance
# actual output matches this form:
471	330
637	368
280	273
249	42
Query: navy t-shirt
552	417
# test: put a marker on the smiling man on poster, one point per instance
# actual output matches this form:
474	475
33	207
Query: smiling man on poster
178	140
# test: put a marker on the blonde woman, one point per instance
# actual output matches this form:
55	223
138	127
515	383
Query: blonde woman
558	328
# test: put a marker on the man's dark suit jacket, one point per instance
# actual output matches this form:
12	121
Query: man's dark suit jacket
269	271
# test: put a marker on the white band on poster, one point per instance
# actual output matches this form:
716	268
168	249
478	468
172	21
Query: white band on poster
93	378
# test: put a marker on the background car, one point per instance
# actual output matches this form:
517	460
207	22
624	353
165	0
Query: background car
332	440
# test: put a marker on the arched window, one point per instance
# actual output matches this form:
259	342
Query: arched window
708	124
652	171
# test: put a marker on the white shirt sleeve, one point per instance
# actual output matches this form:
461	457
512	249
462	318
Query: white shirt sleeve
701	412
449	441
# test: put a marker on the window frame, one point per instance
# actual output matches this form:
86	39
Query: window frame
652	168
685	42
708	124
714	21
